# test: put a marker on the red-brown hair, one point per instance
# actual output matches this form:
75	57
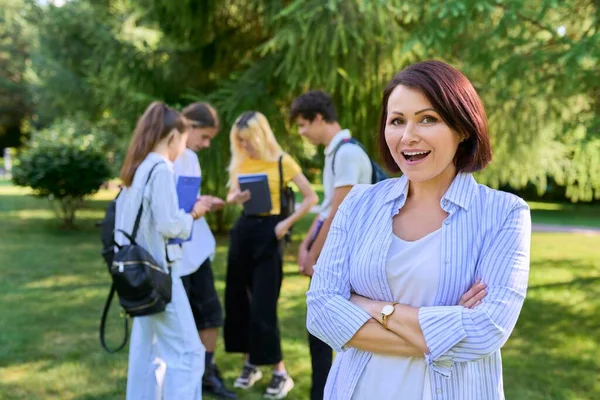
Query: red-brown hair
453	96
155	124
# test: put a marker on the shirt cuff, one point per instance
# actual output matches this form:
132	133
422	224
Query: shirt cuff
348	319
442	328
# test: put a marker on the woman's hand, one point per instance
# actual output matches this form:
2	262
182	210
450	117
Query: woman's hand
281	229
472	298
239	197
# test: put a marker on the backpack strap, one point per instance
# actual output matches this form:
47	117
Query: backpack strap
342	142
280	183
136	225
103	324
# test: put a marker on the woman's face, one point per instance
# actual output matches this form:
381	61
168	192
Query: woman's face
419	140
177	144
248	147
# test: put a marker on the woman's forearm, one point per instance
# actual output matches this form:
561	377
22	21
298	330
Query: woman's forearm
404	322
374	338
303	209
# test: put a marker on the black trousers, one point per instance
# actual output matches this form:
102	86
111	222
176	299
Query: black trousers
321	358
253	283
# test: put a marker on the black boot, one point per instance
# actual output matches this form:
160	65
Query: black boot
212	383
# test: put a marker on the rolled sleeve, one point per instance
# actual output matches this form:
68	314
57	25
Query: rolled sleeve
457	334
331	316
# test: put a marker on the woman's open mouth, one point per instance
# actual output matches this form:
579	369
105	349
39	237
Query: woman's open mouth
414	157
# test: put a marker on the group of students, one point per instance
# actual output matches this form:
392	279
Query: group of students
416	282
165	356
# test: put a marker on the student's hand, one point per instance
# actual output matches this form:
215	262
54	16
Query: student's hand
308	270
240	197
309	264
472	298
281	229
201	207
215	203
302	253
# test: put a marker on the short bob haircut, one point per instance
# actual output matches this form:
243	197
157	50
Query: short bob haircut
453	96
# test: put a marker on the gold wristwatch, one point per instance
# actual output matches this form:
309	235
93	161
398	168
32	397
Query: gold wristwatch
386	311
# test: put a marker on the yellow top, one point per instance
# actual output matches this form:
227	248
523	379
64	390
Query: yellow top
271	168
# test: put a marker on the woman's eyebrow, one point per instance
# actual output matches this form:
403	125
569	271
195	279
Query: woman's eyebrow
416	113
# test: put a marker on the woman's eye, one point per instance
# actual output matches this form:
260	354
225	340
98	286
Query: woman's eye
428	119
397	121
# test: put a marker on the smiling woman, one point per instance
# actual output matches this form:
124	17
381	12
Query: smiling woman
433	108
422	278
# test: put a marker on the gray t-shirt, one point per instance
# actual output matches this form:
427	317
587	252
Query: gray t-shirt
352	166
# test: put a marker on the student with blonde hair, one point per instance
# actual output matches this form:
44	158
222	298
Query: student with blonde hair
254	270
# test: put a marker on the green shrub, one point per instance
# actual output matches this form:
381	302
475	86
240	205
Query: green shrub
64	163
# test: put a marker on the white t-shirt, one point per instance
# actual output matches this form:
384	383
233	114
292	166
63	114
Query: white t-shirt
413	273
203	244
352	166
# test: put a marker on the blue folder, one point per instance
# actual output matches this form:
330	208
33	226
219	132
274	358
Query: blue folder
188	188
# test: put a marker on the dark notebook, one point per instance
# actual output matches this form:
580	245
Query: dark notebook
260	200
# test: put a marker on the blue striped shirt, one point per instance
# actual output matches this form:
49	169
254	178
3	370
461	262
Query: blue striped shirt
486	235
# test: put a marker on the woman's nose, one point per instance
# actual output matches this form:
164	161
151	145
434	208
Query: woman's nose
410	134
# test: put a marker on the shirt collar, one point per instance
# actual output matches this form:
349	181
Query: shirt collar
341	135
155	157
461	192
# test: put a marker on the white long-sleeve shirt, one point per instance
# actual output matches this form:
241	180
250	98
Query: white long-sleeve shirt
202	245
161	219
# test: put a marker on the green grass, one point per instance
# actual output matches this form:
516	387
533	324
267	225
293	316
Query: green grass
54	285
584	215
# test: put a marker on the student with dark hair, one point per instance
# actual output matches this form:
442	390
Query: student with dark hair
255	259
315	115
196	268
422	278
166	357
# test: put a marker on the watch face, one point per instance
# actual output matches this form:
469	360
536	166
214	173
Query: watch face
387	310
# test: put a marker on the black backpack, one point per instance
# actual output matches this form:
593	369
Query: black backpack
143	287
288	200
378	173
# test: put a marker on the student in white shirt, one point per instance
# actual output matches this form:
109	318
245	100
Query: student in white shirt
197	254
315	114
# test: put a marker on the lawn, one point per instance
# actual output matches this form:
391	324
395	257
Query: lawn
54	285
584	215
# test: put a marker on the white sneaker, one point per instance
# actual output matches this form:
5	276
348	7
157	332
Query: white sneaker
250	375
279	387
